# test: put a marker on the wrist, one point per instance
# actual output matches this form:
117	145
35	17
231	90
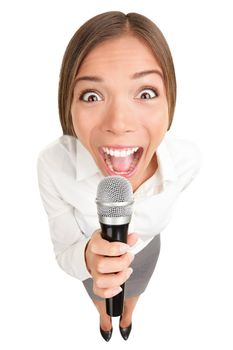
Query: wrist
86	258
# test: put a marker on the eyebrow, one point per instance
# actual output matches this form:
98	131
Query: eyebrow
134	76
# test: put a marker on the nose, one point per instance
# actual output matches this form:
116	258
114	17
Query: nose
119	118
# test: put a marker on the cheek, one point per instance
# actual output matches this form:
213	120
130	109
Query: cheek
79	121
86	119
158	120
84	126
157	125
79	124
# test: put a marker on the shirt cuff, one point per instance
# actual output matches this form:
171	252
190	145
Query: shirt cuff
80	267
72	260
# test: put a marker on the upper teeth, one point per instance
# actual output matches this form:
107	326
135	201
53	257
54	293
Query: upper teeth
120	153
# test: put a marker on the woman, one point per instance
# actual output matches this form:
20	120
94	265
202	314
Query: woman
117	95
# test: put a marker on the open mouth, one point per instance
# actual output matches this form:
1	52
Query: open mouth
121	160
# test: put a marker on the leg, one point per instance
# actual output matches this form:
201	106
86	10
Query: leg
105	319
129	305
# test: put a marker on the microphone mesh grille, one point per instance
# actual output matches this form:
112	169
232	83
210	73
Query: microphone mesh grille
114	189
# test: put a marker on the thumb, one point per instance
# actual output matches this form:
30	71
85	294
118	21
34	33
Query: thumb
132	239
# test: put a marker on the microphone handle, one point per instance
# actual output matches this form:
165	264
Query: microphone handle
115	233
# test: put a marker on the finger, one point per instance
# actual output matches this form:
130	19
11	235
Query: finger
114	264
101	246
132	239
107	293
112	281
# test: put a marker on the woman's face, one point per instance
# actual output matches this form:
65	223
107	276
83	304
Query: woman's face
119	108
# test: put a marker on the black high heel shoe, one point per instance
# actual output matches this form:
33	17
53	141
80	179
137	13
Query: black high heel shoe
106	334
125	332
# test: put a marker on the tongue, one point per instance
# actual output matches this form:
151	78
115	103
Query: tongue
122	163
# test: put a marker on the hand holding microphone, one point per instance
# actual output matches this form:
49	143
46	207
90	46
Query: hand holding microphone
108	264
114	206
106	254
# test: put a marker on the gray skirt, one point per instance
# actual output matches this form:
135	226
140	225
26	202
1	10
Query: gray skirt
143	267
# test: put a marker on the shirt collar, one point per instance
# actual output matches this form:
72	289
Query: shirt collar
86	166
166	164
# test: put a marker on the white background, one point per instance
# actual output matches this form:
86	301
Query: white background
188	304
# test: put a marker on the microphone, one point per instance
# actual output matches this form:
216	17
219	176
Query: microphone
114	206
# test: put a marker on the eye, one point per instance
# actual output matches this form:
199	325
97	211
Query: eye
89	96
147	93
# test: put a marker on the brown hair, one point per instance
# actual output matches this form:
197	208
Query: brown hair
98	29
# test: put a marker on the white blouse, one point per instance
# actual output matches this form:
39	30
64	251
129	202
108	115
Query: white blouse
68	178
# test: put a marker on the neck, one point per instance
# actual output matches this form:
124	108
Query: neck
150	171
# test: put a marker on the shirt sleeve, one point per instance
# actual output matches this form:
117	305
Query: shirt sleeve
68	240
